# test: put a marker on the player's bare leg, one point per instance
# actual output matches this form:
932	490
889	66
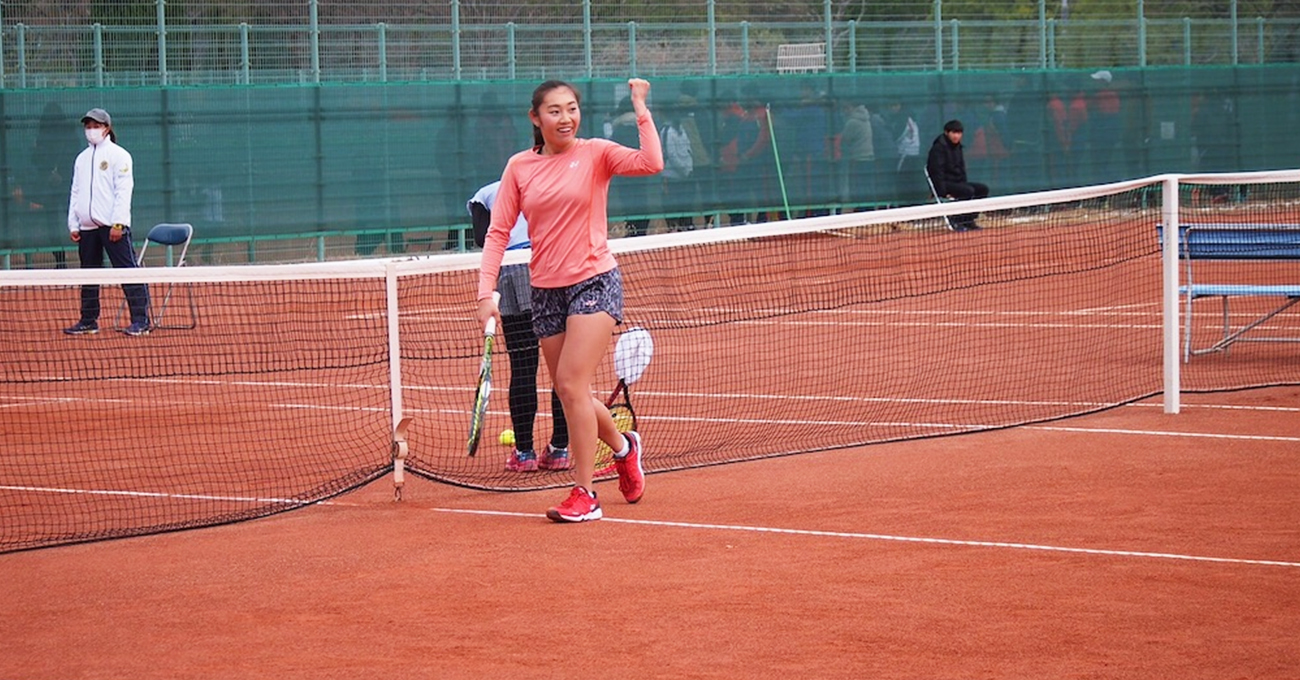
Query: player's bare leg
572	358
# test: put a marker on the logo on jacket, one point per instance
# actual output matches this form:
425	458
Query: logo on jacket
103	165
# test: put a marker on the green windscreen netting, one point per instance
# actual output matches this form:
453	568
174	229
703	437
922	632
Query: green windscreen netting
241	162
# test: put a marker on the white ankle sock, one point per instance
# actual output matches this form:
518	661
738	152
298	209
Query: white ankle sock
627	446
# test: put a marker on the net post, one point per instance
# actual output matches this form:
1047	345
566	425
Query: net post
1169	293
400	422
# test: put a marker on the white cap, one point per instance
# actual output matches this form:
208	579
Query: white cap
1102	75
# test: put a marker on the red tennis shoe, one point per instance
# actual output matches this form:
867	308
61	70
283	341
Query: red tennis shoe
631	478
580	506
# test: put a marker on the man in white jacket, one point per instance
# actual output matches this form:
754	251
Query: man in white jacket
99	220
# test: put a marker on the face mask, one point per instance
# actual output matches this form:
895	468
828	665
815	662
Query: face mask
95	135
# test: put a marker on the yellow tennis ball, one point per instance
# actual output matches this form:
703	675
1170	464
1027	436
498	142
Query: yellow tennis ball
507	437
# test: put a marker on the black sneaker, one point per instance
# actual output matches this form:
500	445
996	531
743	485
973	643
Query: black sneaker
137	329
82	328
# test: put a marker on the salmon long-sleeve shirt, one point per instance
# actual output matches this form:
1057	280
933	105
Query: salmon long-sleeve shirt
564	198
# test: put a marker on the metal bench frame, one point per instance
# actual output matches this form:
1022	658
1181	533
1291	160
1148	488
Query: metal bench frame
1279	242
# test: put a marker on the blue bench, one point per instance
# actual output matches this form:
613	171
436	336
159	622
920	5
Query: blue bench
1230	242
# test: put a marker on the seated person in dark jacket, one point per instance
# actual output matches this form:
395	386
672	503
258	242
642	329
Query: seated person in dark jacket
947	168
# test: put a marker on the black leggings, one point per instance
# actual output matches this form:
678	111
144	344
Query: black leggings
525	360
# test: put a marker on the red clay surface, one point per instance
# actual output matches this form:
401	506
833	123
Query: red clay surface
1126	544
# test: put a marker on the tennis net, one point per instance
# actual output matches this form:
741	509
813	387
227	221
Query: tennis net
770	339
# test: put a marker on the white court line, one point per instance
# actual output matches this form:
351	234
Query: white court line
704	527
956	324
903	539
1163	433
159	494
969	428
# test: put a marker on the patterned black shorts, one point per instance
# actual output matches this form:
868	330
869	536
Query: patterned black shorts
553	306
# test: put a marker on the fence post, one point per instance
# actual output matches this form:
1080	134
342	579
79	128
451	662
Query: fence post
1232	12
510	47
1259	42
1042	34
1051	38
830	38
455	39
631	49
744	45
2	44
382	30
1187	41
956	43
21	34
245	63
99	54
853	46
1142	33
713	39
938	35
315	40
161	11
586	35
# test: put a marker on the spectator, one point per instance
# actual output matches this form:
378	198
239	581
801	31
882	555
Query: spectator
804	141
735	133
884	146
1058	142
757	161
987	144
1079	130
633	192
99	219
1107	127
908	173
46	188
857	148
700	128
678	166
947	167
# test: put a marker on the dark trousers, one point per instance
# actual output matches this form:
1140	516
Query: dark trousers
963	191
91	249
521	346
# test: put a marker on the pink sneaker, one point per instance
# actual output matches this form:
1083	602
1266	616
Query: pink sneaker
554	459
521	461
631	477
580	506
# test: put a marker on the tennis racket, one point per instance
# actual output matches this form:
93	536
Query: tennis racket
632	355
484	390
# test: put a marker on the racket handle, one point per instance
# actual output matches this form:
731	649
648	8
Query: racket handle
491	327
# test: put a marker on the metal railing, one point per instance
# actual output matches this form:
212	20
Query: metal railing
180	53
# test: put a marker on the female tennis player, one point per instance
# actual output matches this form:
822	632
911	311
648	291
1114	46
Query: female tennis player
562	187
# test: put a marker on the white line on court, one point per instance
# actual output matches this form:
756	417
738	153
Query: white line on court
904	539
1163	433
160	494
1006	545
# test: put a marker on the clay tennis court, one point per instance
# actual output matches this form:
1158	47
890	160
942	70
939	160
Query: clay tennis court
1125	544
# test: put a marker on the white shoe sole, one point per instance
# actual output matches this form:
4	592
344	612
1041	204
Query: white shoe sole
557	517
